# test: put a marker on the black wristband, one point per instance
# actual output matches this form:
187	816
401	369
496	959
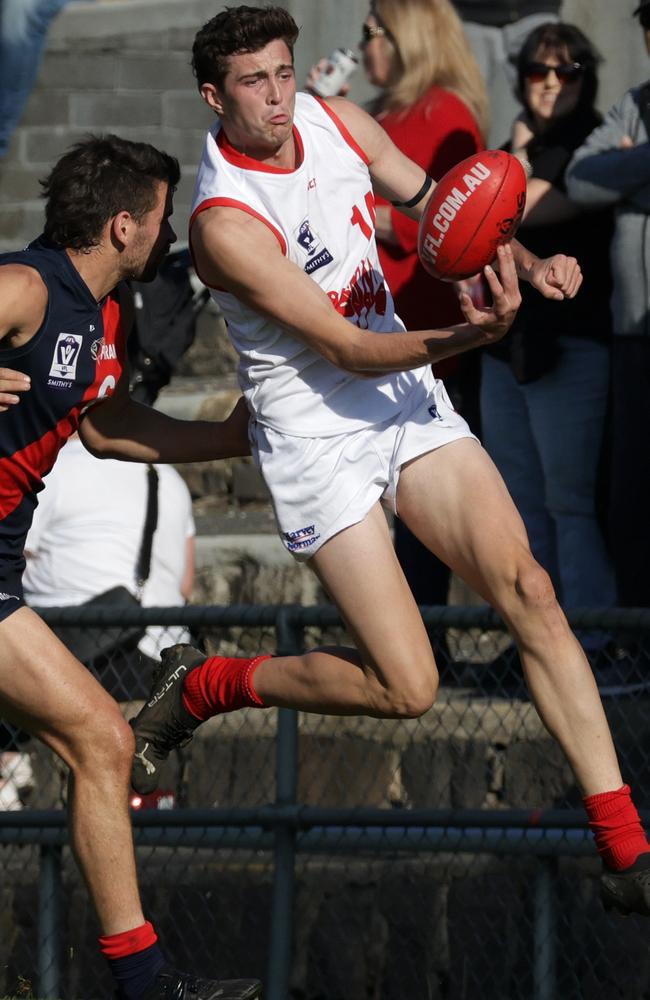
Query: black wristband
418	197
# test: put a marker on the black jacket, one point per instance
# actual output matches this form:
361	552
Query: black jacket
531	345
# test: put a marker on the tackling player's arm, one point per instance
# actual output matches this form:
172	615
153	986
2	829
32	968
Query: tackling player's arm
226	240
399	180
117	426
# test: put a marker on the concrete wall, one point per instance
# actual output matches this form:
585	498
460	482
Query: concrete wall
124	65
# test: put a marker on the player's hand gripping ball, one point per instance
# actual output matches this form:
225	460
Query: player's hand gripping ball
474	208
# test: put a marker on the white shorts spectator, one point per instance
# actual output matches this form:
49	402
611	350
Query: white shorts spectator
319	486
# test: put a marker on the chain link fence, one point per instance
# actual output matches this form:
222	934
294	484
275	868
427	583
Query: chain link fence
351	858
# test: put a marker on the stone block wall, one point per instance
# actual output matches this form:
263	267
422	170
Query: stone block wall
125	67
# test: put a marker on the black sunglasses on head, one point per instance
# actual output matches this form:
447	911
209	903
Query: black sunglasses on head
536	72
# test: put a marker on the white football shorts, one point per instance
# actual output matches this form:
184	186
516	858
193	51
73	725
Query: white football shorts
319	486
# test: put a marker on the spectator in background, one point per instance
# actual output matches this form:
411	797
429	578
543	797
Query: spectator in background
496	30
433	105
85	538
611	169
544	389
23	34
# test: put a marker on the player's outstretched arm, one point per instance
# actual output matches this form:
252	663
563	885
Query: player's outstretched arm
400	180
394	175
226	240
119	427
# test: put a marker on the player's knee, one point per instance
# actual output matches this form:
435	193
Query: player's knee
533	585
108	745
414	699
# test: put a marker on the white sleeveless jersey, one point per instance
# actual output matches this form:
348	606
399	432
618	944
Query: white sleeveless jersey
322	215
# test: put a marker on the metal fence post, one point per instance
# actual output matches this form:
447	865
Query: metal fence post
544	931
288	643
49	922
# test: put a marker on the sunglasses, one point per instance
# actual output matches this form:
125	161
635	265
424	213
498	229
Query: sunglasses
369	31
644	17
536	72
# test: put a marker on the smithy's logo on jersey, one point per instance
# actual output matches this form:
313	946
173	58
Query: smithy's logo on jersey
100	351
66	355
303	538
311	243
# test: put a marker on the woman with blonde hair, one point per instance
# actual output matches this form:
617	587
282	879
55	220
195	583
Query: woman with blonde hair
433	104
430	50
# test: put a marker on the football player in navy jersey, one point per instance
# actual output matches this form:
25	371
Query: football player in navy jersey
62	335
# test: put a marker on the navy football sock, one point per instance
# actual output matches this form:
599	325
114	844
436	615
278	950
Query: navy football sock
134	974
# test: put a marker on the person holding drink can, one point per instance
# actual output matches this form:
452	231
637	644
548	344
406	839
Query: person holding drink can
334	73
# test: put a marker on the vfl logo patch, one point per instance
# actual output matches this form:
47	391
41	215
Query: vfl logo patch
8	597
311	244
66	355
301	539
433	410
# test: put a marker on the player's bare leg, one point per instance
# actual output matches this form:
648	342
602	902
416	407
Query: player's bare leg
395	673
476	529
54	697
391	673
46	691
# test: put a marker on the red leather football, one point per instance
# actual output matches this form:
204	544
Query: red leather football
475	207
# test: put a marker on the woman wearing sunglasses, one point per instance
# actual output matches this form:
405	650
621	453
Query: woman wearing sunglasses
433	104
544	390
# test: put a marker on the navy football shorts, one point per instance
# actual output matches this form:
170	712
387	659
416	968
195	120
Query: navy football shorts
11	587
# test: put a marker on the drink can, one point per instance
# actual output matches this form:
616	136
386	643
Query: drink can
343	63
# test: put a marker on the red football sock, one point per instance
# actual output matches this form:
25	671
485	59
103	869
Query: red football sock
128	942
221	684
616	826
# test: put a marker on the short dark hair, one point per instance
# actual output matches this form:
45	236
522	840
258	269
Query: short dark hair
560	37
97	178
234	30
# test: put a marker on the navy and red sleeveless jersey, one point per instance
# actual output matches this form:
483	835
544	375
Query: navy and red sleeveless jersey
76	357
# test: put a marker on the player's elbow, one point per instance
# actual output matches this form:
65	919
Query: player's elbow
97	444
355	358
343	357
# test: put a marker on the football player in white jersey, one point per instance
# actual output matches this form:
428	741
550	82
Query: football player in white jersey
346	415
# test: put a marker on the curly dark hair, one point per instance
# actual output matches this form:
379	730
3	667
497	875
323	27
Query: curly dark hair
97	178
234	30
